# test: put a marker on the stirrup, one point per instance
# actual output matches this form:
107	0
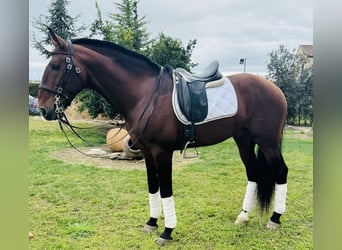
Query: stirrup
186	156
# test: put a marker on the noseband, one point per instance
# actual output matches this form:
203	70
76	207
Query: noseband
58	90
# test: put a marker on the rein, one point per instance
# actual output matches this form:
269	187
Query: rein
62	118
156	92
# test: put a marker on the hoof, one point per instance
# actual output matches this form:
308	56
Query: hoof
163	242
242	218
272	225
149	229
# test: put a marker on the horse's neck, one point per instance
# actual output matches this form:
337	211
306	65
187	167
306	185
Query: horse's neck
125	90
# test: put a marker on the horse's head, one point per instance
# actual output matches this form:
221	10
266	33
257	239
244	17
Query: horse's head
62	79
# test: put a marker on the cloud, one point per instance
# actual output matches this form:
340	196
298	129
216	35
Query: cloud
229	30
226	30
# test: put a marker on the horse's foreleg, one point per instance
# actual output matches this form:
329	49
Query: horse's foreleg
154	196
164	163
170	220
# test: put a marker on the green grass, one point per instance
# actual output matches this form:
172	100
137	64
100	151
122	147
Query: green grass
75	206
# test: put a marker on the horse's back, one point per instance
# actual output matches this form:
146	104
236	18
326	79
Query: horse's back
255	90
250	82
262	105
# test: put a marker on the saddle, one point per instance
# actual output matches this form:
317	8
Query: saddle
192	96
191	93
210	73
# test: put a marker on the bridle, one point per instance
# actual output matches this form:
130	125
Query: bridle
59	95
59	89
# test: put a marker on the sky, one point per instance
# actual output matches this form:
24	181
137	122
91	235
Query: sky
225	30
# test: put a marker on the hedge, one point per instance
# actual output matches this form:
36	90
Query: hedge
33	89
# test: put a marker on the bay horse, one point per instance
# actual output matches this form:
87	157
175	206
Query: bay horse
141	91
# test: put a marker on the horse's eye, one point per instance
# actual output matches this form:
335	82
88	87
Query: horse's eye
55	66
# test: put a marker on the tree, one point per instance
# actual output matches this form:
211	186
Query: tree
167	50
281	69
59	20
125	28
287	71
102	28
305	90
95	104
128	29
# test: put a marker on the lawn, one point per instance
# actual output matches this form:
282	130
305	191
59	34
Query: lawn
80	206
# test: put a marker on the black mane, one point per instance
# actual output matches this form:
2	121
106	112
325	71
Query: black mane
100	46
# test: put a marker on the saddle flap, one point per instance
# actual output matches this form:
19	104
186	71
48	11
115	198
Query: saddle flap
193	100
191	91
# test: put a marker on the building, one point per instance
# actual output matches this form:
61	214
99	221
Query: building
306	50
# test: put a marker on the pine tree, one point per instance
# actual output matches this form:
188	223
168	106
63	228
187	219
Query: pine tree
101	27
59	20
124	27
130	29
127	28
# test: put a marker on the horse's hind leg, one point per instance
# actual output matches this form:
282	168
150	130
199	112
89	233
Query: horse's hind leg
278	167
246	147
279	194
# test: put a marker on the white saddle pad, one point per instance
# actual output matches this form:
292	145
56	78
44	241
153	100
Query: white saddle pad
222	103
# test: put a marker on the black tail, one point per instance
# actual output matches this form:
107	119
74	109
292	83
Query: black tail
266	182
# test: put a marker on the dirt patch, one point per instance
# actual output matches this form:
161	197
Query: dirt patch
72	156
299	132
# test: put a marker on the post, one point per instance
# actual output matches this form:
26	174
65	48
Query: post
244	62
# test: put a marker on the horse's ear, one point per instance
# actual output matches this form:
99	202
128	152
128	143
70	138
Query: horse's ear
56	40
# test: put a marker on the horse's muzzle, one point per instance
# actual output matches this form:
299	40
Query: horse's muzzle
49	116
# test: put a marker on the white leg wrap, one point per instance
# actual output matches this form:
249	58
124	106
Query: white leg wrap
280	198
250	196
155	205
169	212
